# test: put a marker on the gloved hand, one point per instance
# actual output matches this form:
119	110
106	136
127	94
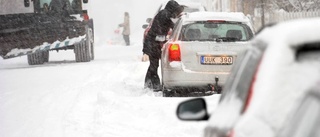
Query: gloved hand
145	58
160	38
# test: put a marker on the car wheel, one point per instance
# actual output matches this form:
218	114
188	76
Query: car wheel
45	55
166	92
35	58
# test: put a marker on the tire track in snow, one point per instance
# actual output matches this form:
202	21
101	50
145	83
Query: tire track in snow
82	112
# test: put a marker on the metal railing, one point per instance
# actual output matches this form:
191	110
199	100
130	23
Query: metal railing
280	16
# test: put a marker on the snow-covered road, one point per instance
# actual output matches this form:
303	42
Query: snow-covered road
102	98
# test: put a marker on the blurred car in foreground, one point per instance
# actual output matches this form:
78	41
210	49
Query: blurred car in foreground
306	119
264	85
290	65
234	98
201	52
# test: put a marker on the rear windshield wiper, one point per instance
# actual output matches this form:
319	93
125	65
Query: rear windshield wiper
222	39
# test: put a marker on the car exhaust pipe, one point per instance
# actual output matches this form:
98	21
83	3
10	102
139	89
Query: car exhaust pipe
216	88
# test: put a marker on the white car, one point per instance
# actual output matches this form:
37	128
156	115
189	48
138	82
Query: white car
201	51
289	67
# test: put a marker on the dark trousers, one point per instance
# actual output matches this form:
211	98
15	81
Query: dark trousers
126	39
152	80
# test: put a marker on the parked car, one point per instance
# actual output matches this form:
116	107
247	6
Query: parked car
281	63
201	51
305	121
189	7
291	65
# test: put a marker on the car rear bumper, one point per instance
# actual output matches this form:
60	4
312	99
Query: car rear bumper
180	78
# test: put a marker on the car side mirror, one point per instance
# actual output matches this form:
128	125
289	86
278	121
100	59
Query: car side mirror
149	20
145	26
193	110
85	1
26	3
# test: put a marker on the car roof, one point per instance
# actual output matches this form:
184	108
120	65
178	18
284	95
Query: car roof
226	16
190	4
292	33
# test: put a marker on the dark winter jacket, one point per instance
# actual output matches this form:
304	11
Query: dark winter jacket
160	27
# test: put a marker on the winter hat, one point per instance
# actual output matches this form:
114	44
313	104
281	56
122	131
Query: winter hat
172	6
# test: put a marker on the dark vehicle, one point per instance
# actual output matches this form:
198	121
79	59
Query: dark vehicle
35	27
306	118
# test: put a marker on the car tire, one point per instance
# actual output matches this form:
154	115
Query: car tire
35	58
167	93
83	50
90	40
92	51
45	55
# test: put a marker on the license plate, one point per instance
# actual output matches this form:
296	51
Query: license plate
216	60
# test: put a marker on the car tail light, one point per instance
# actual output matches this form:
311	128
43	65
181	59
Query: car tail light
85	15
251	88
231	134
250	94
174	52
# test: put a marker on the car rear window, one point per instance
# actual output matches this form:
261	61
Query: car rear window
216	31
309	52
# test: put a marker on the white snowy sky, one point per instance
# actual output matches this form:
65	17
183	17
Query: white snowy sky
108	14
